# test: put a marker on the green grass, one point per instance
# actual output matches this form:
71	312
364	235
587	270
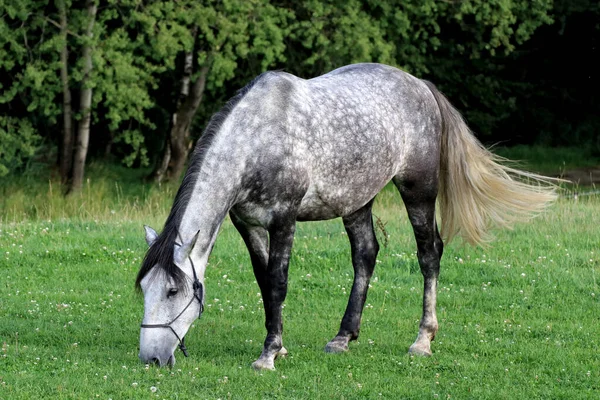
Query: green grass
550	160
110	192
517	320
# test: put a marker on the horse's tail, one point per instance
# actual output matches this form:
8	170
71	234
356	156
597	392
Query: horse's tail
476	190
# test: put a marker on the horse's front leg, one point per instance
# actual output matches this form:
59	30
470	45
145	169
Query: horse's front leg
273	285
364	246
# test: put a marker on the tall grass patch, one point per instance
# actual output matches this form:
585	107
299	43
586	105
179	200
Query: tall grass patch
110	192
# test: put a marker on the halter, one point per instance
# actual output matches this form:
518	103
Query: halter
199	295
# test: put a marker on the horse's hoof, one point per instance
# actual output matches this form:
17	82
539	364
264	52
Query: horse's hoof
419	350
282	353
336	347
260	365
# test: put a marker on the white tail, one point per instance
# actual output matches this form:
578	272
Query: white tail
477	191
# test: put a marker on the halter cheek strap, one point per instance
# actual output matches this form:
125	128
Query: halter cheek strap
198	295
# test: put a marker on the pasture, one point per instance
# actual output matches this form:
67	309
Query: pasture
517	320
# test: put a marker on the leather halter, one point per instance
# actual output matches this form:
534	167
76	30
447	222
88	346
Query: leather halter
199	295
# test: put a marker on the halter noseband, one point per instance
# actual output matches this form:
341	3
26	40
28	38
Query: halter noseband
199	295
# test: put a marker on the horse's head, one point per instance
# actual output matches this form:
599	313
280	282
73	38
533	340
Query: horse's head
173	298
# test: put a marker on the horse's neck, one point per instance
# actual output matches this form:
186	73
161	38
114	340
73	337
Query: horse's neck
214	192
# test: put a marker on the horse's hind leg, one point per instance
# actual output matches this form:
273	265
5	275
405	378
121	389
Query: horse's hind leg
419	199
364	246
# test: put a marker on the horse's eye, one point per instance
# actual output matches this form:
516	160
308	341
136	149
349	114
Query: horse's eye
172	292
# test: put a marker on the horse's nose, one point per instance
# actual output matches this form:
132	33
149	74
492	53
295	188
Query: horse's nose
149	358
157	360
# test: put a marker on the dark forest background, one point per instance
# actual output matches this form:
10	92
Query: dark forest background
136	81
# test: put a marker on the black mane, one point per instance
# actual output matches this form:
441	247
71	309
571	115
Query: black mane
160	254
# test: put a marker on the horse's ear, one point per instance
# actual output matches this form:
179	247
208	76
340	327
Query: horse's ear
151	235
182	252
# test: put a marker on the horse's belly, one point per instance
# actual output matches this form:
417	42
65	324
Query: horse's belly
313	208
335	201
345	172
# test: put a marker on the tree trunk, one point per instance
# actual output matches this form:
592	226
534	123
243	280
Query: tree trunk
160	170
83	134
177	144
66	151
109	143
180	133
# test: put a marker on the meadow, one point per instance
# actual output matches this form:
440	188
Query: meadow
519	319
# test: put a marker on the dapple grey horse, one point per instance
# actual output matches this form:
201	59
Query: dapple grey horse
286	149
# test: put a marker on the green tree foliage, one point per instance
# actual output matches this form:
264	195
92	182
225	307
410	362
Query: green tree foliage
218	35
28	103
17	143
329	34
493	59
456	44
411	33
469	65
237	31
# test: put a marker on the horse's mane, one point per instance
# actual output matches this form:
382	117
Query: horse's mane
160	254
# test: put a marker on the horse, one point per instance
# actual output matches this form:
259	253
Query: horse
286	149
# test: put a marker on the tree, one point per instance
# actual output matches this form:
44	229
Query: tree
159	68
25	83
329	34
469	64
65	153
219	35
85	102
17	143
456	44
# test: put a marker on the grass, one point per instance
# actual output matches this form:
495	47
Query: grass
110	192
550	160
517	320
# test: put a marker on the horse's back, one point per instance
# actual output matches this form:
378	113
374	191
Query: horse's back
343	136
368	124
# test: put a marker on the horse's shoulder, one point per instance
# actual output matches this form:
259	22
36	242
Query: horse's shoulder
278	79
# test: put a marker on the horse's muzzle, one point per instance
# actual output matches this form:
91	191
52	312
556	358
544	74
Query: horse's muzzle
160	360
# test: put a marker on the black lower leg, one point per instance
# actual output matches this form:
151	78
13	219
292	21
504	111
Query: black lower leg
364	247
275	284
